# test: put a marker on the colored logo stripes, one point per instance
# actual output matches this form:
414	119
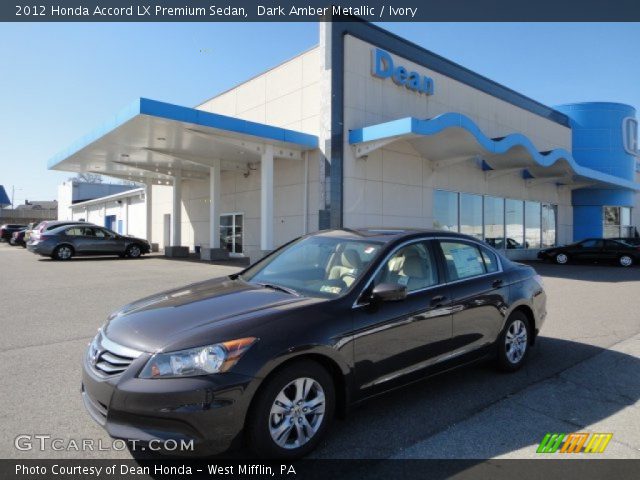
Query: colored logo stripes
574	442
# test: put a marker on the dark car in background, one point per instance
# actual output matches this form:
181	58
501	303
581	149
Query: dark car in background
269	354
17	238
8	229
593	250
67	241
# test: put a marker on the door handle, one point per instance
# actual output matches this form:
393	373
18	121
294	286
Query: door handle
437	300
497	283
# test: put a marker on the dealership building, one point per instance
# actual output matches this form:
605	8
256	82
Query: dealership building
369	129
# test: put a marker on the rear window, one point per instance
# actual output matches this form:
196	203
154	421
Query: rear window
463	260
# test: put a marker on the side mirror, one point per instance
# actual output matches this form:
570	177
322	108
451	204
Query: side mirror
389	292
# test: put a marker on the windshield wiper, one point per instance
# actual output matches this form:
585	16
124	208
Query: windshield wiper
280	288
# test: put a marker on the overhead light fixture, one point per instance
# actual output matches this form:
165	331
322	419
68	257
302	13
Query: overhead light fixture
124	155
162	139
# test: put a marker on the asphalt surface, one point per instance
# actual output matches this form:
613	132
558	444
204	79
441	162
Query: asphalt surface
581	376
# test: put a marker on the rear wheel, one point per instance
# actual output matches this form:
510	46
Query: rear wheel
134	251
625	261
63	252
513	344
292	411
561	258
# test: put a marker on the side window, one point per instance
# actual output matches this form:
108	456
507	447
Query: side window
490	260
411	266
592	244
100	233
89	232
74	231
462	260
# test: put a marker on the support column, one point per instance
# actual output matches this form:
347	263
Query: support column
148	201
176	250
176	211
266	200
214	252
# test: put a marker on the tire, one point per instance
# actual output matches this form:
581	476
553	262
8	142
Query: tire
133	251
265	422
625	260
62	252
561	258
514	342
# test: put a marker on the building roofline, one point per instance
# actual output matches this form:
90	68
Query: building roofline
108	198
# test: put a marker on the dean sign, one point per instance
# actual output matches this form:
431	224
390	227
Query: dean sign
383	67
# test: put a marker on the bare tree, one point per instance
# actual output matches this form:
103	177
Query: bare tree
87	177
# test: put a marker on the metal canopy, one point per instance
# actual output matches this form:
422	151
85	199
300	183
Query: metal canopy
155	141
452	138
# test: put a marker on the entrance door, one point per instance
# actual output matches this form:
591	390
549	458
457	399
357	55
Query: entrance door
231	233
166	239
109	220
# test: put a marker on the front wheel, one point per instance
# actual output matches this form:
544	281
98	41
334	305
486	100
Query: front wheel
625	261
133	251
513	344
292	411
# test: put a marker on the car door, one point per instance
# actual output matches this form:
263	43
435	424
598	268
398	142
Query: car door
613	249
107	242
588	250
479	290
395	338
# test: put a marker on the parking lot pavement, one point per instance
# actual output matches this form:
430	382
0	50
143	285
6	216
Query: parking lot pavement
577	378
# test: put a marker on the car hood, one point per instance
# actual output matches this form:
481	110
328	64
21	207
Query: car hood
154	323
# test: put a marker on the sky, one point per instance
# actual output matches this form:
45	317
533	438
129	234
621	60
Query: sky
60	81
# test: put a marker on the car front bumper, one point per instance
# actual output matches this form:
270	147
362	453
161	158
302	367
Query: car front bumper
208	410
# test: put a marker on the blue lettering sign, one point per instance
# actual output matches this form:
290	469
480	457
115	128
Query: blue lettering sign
383	67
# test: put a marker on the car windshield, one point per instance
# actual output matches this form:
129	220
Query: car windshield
315	266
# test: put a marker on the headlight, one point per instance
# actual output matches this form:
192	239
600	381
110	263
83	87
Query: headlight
206	360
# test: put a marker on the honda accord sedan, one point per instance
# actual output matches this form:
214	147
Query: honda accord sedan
594	250
66	241
269	355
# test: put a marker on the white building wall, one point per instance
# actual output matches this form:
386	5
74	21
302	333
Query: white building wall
131	210
287	96
394	186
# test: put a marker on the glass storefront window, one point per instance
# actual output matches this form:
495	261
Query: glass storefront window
514	223
231	235
445	210
494	221
532	224
471	215
549	228
617	222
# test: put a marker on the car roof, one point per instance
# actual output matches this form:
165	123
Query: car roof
388	234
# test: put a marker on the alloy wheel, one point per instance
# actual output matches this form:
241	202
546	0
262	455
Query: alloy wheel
626	260
134	251
297	413
562	258
64	253
516	341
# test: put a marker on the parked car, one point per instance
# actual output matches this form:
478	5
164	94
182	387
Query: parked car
7	230
48	225
66	241
32	226
333	318
593	250
17	238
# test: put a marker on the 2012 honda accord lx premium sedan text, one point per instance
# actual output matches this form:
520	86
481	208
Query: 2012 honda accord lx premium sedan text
270	354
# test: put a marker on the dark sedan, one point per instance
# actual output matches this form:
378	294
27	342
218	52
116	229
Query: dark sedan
17	238
270	354
64	242
8	229
594	250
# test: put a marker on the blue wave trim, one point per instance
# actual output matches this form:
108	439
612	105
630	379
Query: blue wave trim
498	146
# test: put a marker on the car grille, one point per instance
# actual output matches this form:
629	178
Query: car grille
108	358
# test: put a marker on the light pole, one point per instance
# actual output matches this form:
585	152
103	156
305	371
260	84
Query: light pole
13	191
